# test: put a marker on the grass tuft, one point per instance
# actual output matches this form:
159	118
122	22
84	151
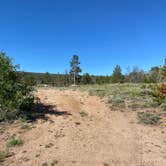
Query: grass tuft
83	114
14	142
148	118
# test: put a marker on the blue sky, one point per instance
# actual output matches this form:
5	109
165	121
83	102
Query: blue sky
42	35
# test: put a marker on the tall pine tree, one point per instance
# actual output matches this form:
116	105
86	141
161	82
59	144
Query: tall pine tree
117	76
75	68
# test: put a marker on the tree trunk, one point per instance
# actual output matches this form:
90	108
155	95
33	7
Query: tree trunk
74	78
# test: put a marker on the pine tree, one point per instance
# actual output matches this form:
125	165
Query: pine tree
75	69
117	76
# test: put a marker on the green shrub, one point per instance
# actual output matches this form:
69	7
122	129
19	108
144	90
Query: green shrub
117	101
53	163
148	118
3	155
134	106
25	126
14	142
163	106
2	129
45	164
145	92
159	100
15	94
83	114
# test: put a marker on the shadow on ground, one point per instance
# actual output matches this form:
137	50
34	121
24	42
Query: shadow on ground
42	111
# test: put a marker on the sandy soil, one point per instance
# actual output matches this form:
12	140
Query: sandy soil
100	137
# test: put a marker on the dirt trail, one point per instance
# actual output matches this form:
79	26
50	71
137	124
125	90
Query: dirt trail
97	137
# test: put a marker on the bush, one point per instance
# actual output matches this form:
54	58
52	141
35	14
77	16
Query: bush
148	118
15	94
83	114
163	106
117	101
14	142
3	155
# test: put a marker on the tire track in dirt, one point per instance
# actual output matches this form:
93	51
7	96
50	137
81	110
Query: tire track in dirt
101	137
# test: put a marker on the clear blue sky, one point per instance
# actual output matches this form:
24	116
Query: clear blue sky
42	35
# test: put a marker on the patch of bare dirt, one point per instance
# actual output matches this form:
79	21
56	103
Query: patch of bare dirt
80	130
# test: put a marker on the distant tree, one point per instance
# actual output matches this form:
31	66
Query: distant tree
136	76
163	72
153	75
162	87
117	76
28	79
75	69
66	78
86	79
47	78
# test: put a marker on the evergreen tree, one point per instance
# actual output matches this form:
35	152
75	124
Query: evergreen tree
153	75
117	76
47	78
75	69
86	79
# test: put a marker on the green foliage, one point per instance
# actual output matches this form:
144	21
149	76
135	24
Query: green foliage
4	154
47	78
117	101
136	76
45	164
134	106
154	74
83	114
25	126
134	96
86	79
2	129
28	79
117	76
14	141
53	163
162	87
75	69
148	118
60	80
15	94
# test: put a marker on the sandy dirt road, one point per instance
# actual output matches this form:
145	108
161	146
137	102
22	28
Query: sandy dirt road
81	130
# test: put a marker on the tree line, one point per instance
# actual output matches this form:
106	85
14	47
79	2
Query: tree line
16	88
136	75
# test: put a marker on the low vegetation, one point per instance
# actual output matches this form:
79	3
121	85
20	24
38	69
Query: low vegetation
3	155
25	126
13	141
83	114
148	118
133	96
